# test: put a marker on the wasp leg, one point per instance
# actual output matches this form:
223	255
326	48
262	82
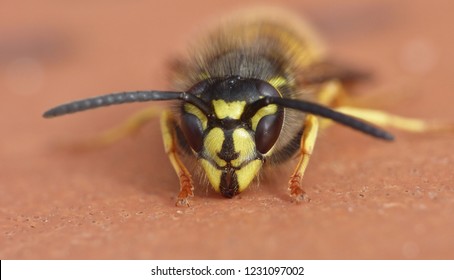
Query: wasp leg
129	127
385	119
170	146
330	93
307	145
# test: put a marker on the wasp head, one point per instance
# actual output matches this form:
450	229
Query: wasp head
232	139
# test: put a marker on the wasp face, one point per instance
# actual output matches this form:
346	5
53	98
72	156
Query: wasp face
231	142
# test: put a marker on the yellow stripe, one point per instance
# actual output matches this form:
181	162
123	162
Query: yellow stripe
196	112
231	110
247	173
213	145
243	144
213	174
265	111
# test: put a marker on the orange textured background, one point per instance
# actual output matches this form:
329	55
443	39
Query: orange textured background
370	199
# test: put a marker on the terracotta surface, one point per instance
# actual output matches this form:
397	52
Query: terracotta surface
369	199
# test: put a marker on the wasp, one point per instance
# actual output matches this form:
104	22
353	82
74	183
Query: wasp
253	92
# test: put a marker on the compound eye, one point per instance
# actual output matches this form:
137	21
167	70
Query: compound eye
193	131
266	89
267	131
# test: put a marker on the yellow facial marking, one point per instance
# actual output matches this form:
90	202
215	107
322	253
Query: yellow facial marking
243	144
267	110
247	173
213	145
232	110
213	174
196	112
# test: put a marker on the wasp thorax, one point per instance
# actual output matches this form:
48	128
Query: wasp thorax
233	139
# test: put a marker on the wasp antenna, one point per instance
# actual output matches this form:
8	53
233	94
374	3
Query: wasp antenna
125	97
322	111
196	101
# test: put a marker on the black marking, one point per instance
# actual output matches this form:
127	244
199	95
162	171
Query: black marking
227	123
232	88
228	152
229	186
